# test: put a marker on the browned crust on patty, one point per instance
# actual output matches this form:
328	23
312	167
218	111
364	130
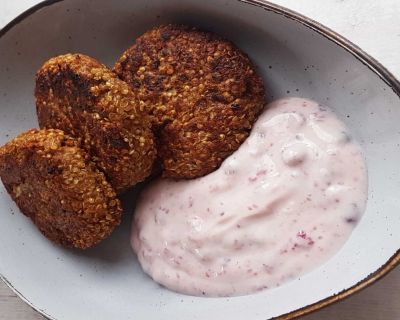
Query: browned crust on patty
54	183
202	91
79	95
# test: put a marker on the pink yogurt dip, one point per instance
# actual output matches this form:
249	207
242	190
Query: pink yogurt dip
280	206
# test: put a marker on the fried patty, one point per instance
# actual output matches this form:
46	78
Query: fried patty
202	91
79	95
54	183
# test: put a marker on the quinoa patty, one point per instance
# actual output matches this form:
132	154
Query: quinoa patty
55	184
79	95
202	91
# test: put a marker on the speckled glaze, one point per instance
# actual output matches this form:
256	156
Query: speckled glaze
296	57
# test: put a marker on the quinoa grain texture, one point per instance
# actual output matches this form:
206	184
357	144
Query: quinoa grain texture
203	93
79	95
54	183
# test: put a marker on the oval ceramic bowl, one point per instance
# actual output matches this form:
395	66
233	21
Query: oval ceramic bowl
296	56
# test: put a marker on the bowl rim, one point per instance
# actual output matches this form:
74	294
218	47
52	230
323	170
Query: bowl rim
384	74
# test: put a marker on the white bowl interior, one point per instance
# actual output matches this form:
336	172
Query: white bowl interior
106	282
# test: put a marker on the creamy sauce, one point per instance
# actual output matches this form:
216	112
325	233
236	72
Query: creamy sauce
280	206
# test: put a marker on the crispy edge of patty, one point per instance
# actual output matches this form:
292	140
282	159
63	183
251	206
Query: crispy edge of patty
54	183
203	92
79	95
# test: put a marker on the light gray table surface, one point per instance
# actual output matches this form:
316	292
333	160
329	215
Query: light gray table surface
375	27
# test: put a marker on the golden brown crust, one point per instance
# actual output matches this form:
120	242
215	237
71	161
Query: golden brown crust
79	95
55	184
202	91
